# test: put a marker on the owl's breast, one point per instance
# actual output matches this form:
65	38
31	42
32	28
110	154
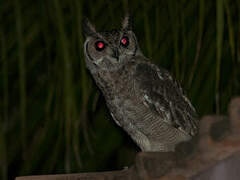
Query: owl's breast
129	111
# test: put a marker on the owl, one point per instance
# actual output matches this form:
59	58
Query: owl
144	99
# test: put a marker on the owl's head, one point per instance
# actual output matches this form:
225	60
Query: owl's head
109	50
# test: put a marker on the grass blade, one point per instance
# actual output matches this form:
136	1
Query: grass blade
220	30
22	71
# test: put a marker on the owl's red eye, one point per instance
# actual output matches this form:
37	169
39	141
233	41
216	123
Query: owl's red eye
99	45
125	41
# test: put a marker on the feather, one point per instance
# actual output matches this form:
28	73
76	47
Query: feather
164	95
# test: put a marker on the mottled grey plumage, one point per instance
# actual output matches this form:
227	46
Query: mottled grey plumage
145	100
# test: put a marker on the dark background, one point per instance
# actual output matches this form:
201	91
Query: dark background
53	118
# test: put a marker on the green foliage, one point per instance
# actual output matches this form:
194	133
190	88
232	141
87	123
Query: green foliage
53	118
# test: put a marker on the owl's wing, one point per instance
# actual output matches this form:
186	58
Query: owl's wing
162	93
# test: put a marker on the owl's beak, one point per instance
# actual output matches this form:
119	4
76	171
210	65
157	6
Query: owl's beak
115	54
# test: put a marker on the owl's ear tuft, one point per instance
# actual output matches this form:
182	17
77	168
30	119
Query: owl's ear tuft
87	28
127	22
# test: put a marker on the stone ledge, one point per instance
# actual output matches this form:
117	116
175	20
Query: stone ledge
211	159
